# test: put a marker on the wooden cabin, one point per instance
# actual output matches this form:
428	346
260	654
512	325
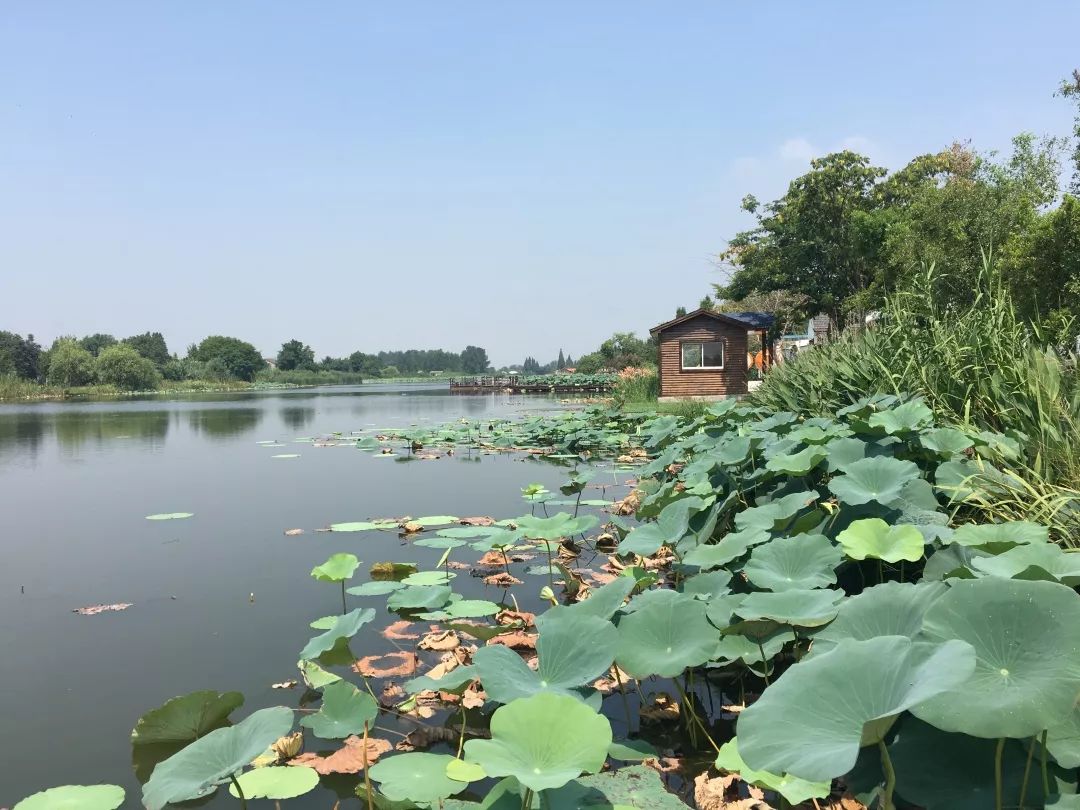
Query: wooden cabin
703	353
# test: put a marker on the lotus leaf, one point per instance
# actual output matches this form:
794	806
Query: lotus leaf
731	547
635	786
796	608
734	647
186	718
345	627
792	788
171	516
276	783
429	578
961	780
555	527
777	514
845	451
880	480
632	750
707	585
1063	740
439	542
1035	561
196	769
889	609
419	597
379	587
946	441
75	797
337	568
471	609
457	677
315	676
802	562
903	419
857	683
1026	637
605	600
415	777
543	741
666	633
799	463
345	710
356	526
1016	533
430	521
461	771
874	538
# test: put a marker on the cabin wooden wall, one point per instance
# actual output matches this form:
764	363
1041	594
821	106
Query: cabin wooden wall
729	381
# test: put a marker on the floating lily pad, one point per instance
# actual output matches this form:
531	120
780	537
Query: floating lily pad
419	597
75	797
1025	636
276	783
345	710
429	578
876	539
171	516
864	684
415	777
430	521
186	718
356	526
543	741
377	587
802	562
471	609
196	769
665	634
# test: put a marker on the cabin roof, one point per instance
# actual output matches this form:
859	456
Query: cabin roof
748	320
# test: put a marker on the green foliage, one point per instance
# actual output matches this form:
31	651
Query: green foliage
474	360
186	718
70	364
295	355
121	365
96	342
229	356
150	345
345	710
19	357
75	797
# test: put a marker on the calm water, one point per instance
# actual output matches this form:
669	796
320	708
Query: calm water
76	482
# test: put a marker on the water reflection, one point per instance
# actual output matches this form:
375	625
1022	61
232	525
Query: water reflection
22	432
222	422
296	417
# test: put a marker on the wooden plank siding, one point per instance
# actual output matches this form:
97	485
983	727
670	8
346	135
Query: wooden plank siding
675	381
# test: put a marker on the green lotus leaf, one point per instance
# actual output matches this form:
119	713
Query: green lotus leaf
880	480
802	562
856	684
429	578
775	515
543	741
731	547
345	710
415	777
635	786
276	783
457	677
379	587
439	542
605	600
1063	740
946	441
845	451
1036	561
466	532
889	609
572	651
632	750
186	718
419	597
799	463
555	527
461	771
963	778
876	539
666	633
471	609
903	419
735	647
323	623
706	585
356	526
646	539
315	676
1063	802
337	568
796	608
345	627
984	534
792	788
430	521
171	516
196	769
75	797
951	562
733	452
1026	636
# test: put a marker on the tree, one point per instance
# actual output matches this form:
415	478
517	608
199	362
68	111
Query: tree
474	360
70	364
561	362
123	366
1070	89
680	311
150	345
96	342
787	308
19	357
707	303
230	356
295	355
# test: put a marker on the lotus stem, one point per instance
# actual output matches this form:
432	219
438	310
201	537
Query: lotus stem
997	773
367	779
506	560
693	714
344	609
890	777
577	503
764	663
1027	772
1042	762
461	737
239	791
526	800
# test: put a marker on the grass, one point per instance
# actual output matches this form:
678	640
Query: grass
14	389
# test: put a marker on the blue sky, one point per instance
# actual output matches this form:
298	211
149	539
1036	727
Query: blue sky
522	176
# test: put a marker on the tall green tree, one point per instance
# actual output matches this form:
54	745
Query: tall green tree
150	345
70	364
1070	89
96	342
228	355
295	355
19	356
474	360
561	362
122	365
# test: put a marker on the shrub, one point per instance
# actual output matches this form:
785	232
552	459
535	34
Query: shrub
637	384
123	366
70	364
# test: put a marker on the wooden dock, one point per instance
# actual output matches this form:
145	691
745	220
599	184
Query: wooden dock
512	385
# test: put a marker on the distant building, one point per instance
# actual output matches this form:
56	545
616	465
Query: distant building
817	331
702	354
271	362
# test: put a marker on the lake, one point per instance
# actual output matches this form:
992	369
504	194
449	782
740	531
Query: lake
221	600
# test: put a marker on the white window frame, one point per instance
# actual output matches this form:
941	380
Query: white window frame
701	349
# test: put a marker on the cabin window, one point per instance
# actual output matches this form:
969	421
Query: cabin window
709	354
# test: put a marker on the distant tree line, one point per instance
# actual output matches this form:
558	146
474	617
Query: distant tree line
409	362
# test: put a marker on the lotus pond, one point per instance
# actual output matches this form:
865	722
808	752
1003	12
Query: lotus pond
766	611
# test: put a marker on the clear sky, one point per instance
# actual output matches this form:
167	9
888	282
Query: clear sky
521	176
